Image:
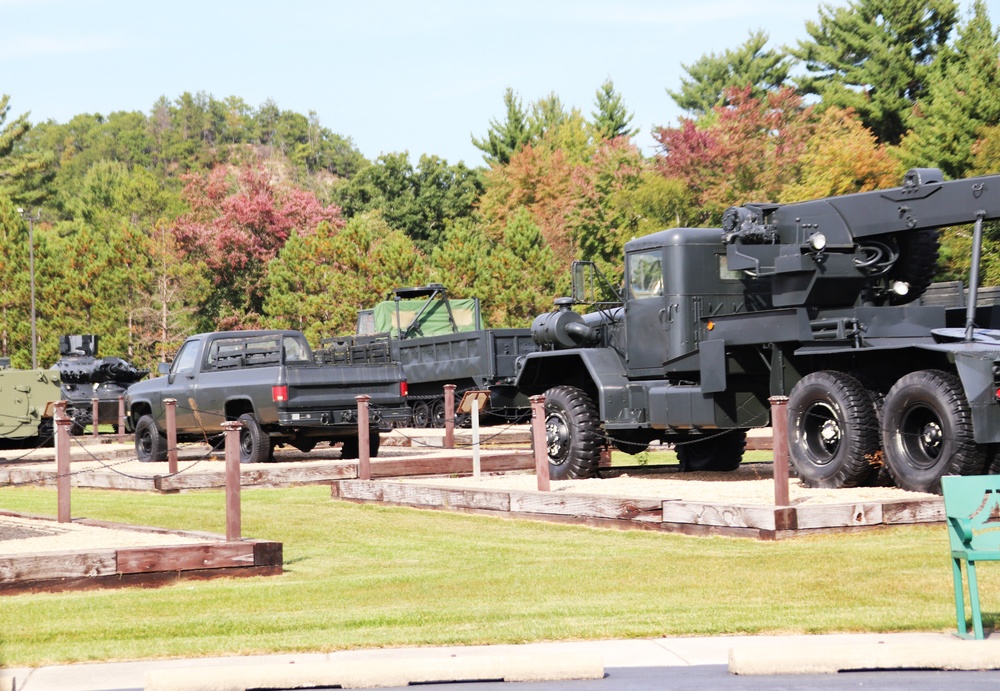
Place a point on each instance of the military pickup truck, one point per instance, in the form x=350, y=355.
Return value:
x=267, y=380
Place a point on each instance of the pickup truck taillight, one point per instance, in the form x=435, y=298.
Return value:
x=403, y=389
x=279, y=394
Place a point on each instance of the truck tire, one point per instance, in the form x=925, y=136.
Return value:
x=150, y=444
x=350, y=447
x=421, y=415
x=571, y=436
x=833, y=435
x=437, y=414
x=927, y=431
x=719, y=453
x=255, y=443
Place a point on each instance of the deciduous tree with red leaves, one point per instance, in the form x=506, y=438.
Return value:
x=239, y=221
x=745, y=151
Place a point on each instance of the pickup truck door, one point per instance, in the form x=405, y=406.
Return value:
x=181, y=384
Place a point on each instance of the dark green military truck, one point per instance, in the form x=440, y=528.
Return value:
x=269, y=381
x=439, y=340
x=816, y=301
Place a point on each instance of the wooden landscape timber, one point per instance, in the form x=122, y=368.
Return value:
x=669, y=515
x=210, y=473
x=196, y=556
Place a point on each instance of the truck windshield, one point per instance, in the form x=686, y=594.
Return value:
x=645, y=275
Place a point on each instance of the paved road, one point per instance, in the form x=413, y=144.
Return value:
x=663, y=663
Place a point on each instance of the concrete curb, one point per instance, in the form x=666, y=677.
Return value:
x=8, y=684
x=424, y=669
x=811, y=659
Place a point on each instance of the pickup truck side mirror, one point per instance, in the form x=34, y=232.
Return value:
x=163, y=368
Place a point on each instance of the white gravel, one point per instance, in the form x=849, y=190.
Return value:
x=750, y=484
x=20, y=535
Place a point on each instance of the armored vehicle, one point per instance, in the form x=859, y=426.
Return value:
x=27, y=399
x=816, y=301
x=85, y=376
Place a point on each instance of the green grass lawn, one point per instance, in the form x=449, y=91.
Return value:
x=370, y=576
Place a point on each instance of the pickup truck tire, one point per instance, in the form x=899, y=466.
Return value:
x=719, y=453
x=833, y=435
x=571, y=433
x=351, y=448
x=927, y=431
x=255, y=443
x=150, y=444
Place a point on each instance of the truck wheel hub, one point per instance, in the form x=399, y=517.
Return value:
x=556, y=438
x=829, y=432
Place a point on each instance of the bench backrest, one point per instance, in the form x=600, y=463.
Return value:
x=972, y=507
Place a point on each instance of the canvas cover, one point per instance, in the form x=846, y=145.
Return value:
x=433, y=321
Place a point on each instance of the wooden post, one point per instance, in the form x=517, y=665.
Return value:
x=170, y=412
x=95, y=408
x=779, y=444
x=63, y=423
x=475, y=437
x=449, y=416
x=539, y=442
x=364, y=448
x=233, y=518
x=121, y=419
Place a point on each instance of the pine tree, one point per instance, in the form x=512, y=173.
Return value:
x=963, y=98
x=875, y=57
x=505, y=138
x=611, y=119
x=748, y=65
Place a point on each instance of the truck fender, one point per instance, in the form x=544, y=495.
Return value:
x=976, y=373
x=597, y=371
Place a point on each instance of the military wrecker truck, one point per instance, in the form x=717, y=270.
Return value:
x=439, y=340
x=269, y=381
x=816, y=301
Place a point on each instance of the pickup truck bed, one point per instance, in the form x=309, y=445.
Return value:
x=270, y=381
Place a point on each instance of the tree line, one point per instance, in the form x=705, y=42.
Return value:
x=205, y=214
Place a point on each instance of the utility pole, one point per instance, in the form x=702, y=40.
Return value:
x=31, y=272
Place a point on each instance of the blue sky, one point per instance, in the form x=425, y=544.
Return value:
x=392, y=75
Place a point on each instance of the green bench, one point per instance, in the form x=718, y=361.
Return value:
x=972, y=507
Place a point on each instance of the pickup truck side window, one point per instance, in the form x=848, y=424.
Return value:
x=187, y=358
x=645, y=274
x=294, y=349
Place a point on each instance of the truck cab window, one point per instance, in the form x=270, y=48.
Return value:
x=293, y=349
x=186, y=358
x=645, y=275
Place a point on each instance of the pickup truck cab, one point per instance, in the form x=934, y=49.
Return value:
x=267, y=380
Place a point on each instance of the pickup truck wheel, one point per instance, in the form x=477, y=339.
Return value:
x=571, y=435
x=927, y=431
x=719, y=453
x=150, y=445
x=255, y=443
x=833, y=435
x=421, y=415
x=350, y=447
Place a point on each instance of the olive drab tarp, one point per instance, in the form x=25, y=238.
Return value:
x=432, y=322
